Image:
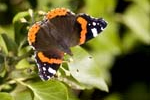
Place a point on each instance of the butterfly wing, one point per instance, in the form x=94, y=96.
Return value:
x=50, y=43
x=90, y=27
x=60, y=30
x=48, y=56
x=65, y=29
x=48, y=62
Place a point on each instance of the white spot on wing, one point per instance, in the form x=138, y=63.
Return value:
x=102, y=28
x=44, y=68
x=94, y=31
x=48, y=77
x=94, y=23
x=50, y=70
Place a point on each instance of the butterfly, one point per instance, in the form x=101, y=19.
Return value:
x=60, y=29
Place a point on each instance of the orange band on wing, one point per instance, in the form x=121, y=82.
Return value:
x=56, y=12
x=32, y=33
x=83, y=23
x=48, y=60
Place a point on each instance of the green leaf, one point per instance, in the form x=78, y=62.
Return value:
x=3, y=7
x=8, y=44
x=49, y=90
x=105, y=47
x=71, y=96
x=5, y=96
x=23, y=95
x=138, y=21
x=84, y=69
x=23, y=64
x=19, y=16
x=113, y=96
x=8, y=29
x=20, y=28
x=47, y=4
x=2, y=65
x=3, y=46
x=64, y=75
x=143, y=4
x=100, y=7
x=129, y=41
x=23, y=53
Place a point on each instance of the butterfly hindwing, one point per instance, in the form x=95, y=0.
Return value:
x=48, y=63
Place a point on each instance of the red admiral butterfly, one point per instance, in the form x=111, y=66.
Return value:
x=56, y=33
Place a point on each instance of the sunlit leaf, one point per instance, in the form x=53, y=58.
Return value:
x=138, y=22
x=23, y=64
x=48, y=5
x=100, y=7
x=20, y=15
x=49, y=90
x=23, y=95
x=65, y=76
x=143, y=4
x=85, y=70
x=5, y=96
x=7, y=30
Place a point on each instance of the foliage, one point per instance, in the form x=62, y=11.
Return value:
x=91, y=62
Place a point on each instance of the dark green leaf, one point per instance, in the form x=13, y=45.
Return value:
x=2, y=66
x=20, y=28
x=10, y=44
x=3, y=45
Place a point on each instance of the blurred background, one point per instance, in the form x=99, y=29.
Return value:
x=122, y=50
